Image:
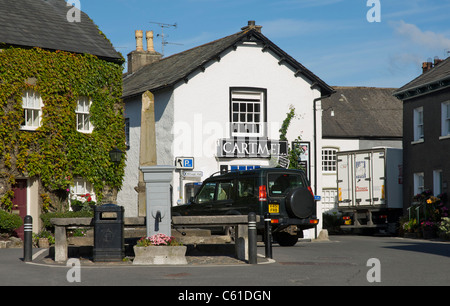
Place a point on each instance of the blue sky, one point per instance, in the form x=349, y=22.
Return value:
x=332, y=38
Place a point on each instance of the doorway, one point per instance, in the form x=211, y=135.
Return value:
x=20, y=202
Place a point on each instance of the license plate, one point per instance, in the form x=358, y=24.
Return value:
x=274, y=208
x=348, y=222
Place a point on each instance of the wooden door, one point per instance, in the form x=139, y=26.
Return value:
x=20, y=202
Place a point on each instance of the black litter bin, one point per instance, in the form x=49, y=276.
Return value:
x=108, y=233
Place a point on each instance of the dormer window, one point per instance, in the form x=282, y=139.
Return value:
x=84, y=124
x=32, y=108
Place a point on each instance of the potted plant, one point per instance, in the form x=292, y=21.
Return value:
x=428, y=229
x=76, y=205
x=409, y=228
x=44, y=239
x=159, y=249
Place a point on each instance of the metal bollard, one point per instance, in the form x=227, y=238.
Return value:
x=268, y=235
x=252, y=239
x=27, y=239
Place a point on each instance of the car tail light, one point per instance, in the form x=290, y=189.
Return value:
x=274, y=221
x=310, y=190
x=383, y=216
x=314, y=221
x=346, y=218
x=262, y=193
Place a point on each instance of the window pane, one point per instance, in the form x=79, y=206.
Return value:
x=281, y=184
x=224, y=191
x=206, y=194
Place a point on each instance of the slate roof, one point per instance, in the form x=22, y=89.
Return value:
x=44, y=24
x=168, y=71
x=435, y=79
x=363, y=113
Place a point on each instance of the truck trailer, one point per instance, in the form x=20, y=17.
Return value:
x=369, y=184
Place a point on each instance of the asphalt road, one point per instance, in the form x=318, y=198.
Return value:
x=342, y=261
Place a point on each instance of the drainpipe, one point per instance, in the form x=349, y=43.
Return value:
x=315, y=137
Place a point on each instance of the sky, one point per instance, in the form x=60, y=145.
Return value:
x=373, y=43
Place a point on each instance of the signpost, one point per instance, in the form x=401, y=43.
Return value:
x=184, y=163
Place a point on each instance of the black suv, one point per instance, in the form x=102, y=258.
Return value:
x=285, y=194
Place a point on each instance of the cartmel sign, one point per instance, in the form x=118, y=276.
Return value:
x=251, y=147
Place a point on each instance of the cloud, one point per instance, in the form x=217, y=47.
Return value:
x=413, y=34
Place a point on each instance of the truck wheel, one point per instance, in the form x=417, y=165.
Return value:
x=285, y=239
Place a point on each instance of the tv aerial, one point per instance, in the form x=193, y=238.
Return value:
x=163, y=36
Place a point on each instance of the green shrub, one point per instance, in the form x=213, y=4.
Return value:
x=444, y=228
x=70, y=214
x=9, y=222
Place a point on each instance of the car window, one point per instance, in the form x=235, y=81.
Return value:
x=246, y=188
x=224, y=190
x=282, y=183
x=206, y=194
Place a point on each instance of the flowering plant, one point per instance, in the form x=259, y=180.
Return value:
x=410, y=226
x=158, y=240
x=428, y=224
x=81, y=200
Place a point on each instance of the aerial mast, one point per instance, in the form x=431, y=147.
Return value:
x=163, y=36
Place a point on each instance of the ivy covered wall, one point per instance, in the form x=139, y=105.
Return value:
x=56, y=153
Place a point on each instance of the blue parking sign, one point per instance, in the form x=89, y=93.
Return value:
x=188, y=163
x=184, y=163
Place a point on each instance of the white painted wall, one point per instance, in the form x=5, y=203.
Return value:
x=127, y=196
x=193, y=116
x=202, y=106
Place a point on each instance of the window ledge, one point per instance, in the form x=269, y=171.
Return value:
x=444, y=137
x=417, y=141
x=29, y=128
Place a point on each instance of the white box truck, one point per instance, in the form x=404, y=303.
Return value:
x=369, y=184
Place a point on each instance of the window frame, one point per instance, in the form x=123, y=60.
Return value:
x=419, y=182
x=333, y=164
x=234, y=100
x=82, y=112
x=445, y=119
x=81, y=187
x=36, y=111
x=418, y=124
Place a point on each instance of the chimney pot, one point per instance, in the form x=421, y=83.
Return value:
x=139, y=40
x=149, y=37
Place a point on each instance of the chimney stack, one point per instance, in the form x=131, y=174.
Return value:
x=140, y=57
x=427, y=66
x=252, y=25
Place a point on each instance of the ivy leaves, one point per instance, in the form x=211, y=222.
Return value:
x=56, y=152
